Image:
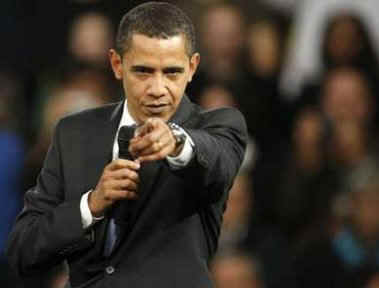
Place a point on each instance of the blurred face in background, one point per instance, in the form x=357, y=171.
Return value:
x=343, y=40
x=222, y=36
x=365, y=213
x=154, y=73
x=347, y=97
x=68, y=99
x=235, y=272
x=263, y=45
x=307, y=137
x=349, y=143
x=90, y=38
x=308, y=129
x=216, y=97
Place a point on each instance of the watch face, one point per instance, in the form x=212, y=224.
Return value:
x=178, y=133
x=181, y=138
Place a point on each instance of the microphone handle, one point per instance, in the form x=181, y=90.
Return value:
x=122, y=208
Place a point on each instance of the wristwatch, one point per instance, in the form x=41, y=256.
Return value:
x=178, y=133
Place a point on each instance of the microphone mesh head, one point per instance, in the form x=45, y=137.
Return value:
x=124, y=135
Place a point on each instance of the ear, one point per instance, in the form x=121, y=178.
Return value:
x=116, y=63
x=194, y=63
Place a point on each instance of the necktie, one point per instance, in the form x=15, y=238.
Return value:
x=112, y=233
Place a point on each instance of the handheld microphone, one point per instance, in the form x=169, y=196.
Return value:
x=122, y=209
x=125, y=134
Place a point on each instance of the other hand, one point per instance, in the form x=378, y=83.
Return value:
x=118, y=181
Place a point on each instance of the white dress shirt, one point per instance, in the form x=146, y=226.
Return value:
x=175, y=163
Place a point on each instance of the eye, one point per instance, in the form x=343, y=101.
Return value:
x=173, y=72
x=173, y=75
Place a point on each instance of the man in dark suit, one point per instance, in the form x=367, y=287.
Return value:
x=153, y=219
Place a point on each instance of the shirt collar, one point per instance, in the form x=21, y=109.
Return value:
x=126, y=118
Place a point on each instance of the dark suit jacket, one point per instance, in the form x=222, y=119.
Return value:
x=174, y=224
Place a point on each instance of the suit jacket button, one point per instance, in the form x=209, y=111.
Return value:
x=109, y=270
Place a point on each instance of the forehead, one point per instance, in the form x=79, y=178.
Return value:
x=151, y=49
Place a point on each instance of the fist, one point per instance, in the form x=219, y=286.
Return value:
x=153, y=141
x=118, y=181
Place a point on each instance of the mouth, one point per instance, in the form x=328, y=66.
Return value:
x=157, y=108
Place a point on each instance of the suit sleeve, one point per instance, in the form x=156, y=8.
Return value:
x=220, y=143
x=48, y=229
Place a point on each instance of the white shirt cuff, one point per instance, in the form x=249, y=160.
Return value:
x=184, y=156
x=87, y=218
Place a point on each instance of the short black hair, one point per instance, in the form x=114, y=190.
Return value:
x=155, y=20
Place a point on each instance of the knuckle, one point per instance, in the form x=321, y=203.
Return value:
x=119, y=162
x=107, y=195
x=108, y=185
x=161, y=154
x=127, y=183
x=126, y=173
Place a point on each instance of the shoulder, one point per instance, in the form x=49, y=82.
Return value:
x=98, y=114
x=229, y=113
x=225, y=116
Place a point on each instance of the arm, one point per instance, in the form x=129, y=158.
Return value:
x=219, y=146
x=48, y=229
x=219, y=138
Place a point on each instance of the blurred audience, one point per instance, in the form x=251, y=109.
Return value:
x=305, y=183
x=216, y=96
x=82, y=90
x=257, y=93
x=12, y=151
x=235, y=269
x=305, y=205
x=347, y=96
x=349, y=256
x=221, y=39
x=339, y=50
x=304, y=61
x=90, y=38
x=222, y=36
x=349, y=107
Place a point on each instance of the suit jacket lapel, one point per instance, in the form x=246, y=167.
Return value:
x=99, y=144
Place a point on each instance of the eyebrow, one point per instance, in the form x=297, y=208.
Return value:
x=141, y=68
x=146, y=69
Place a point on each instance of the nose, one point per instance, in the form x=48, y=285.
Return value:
x=157, y=87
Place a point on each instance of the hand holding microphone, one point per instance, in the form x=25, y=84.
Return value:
x=151, y=141
x=119, y=180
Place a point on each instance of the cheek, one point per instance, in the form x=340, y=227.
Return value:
x=178, y=89
x=133, y=89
